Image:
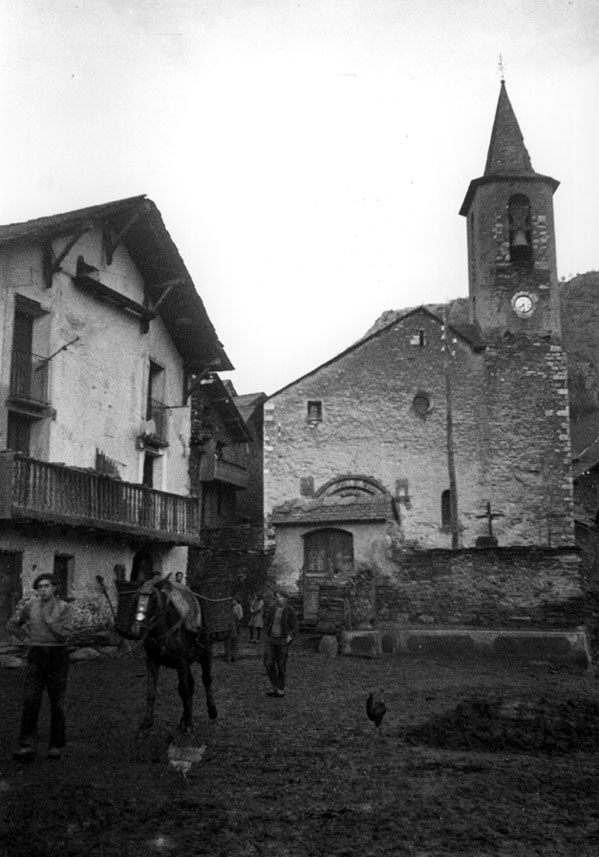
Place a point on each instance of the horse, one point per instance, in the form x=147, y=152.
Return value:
x=168, y=619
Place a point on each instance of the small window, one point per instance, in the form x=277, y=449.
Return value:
x=314, y=412
x=418, y=339
x=63, y=572
x=446, y=509
x=421, y=404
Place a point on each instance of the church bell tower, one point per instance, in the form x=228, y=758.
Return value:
x=512, y=268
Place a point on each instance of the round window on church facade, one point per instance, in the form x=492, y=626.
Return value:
x=421, y=404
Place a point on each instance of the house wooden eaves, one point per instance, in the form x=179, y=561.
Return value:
x=136, y=224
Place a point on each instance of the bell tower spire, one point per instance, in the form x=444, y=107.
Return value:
x=507, y=153
x=512, y=268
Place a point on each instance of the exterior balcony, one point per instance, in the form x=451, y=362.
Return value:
x=32, y=490
x=29, y=381
x=215, y=469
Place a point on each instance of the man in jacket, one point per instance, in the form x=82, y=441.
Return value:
x=280, y=627
x=46, y=623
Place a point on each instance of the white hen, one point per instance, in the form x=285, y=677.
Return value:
x=182, y=758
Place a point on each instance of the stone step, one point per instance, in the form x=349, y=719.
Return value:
x=570, y=645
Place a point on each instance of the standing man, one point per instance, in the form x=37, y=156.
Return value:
x=280, y=627
x=46, y=622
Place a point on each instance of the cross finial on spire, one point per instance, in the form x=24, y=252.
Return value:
x=502, y=66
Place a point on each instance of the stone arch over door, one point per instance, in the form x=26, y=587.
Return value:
x=360, y=488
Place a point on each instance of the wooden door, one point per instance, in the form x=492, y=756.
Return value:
x=327, y=552
x=11, y=589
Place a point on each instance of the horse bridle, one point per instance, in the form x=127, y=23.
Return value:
x=141, y=619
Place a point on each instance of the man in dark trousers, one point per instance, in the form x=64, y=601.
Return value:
x=280, y=627
x=46, y=621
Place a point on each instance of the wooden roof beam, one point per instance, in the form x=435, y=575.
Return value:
x=110, y=243
x=168, y=287
x=51, y=262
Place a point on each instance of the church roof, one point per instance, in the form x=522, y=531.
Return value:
x=507, y=153
x=468, y=333
x=507, y=157
x=321, y=511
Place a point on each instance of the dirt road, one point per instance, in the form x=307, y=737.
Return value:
x=309, y=775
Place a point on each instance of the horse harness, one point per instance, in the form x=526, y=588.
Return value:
x=147, y=624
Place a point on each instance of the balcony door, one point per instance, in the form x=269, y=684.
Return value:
x=22, y=347
x=18, y=433
x=28, y=371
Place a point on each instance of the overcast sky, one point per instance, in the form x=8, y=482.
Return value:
x=310, y=157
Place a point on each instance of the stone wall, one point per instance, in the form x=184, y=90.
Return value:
x=510, y=588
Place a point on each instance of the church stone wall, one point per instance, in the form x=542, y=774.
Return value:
x=510, y=438
x=369, y=427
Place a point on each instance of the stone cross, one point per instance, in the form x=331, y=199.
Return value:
x=490, y=516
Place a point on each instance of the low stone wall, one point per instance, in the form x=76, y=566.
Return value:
x=484, y=588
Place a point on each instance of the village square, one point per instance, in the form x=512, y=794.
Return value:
x=416, y=518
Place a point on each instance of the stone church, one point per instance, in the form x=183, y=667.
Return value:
x=424, y=474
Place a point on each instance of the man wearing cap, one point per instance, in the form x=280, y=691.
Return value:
x=46, y=622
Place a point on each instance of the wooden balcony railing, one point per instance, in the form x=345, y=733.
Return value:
x=32, y=489
x=214, y=469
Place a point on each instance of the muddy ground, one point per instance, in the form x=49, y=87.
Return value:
x=473, y=759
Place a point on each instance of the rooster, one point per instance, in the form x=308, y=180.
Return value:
x=376, y=708
x=182, y=758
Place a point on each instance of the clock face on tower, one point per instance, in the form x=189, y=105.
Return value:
x=523, y=304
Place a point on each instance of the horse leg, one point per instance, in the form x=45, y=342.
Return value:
x=152, y=668
x=186, y=687
x=205, y=661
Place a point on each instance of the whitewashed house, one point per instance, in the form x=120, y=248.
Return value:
x=103, y=336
